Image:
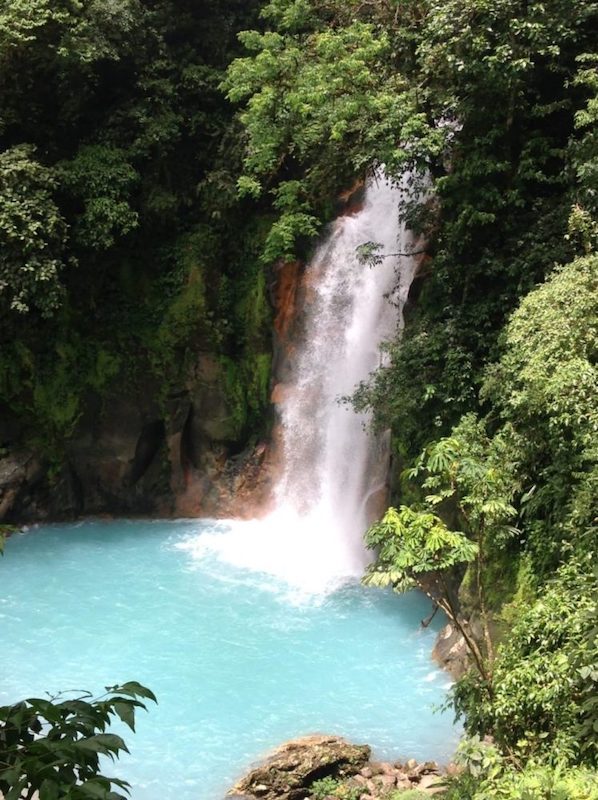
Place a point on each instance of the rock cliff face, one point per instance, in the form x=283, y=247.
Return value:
x=134, y=453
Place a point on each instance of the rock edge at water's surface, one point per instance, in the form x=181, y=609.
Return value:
x=291, y=770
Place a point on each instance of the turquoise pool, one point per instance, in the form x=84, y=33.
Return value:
x=239, y=663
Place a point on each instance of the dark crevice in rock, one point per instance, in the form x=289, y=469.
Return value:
x=150, y=439
x=236, y=450
x=76, y=491
x=188, y=453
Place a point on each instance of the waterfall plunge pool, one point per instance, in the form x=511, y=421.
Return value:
x=239, y=661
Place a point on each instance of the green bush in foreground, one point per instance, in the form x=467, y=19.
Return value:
x=53, y=746
x=489, y=775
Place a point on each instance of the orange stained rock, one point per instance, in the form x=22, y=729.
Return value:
x=351, y=200
x=285, y=296
x=281, y=393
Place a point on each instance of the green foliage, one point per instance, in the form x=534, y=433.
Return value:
x=538, y=467
x=253, y=309
x=543, y=389
x=100, y=178
x=550, y=344
x=246, y=386
x=87, y=33
x=47, y=389
x=467, y=483
x=472, y=471
x=583, y=221
x=545, y=676
x=429, y=381
x=257, y=380
x=285, y=234
x=53, y=746
x=321, y=73
x=183, y=316
x=32, y=234
x=489, y=775
x=333, y=787
x=542, y=783
x=133, y=153
x=410, y=543
x=541, y=459
x=323, y=103
x=22, y=21
x=519, y=143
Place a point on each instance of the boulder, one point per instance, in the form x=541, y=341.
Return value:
x=431, y=784
x=291, y=770
x=17, y=469
x=385, y=781
x=450, y=651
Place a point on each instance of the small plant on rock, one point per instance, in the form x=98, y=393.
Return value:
x=333, y=787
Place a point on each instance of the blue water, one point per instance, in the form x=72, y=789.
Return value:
x=238, y=664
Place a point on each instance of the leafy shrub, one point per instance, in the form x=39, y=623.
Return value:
x=33, y=234
x=545, y=678
x=53, y=746
x=489, y=775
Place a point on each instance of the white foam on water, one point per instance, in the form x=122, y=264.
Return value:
x=306, y=553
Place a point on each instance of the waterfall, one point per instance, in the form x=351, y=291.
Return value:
x=332, y=465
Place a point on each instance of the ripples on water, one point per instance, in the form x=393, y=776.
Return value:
x=239, y=660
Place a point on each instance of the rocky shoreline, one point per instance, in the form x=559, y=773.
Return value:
x=329, y=768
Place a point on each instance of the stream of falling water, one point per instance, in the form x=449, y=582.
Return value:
x=332, y=465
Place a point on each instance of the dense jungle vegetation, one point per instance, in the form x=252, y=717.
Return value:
x=154, y=166
x=124, y=248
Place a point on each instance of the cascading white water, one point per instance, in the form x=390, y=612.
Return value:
x=332, y=463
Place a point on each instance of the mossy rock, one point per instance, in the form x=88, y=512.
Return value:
x=292, y=769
